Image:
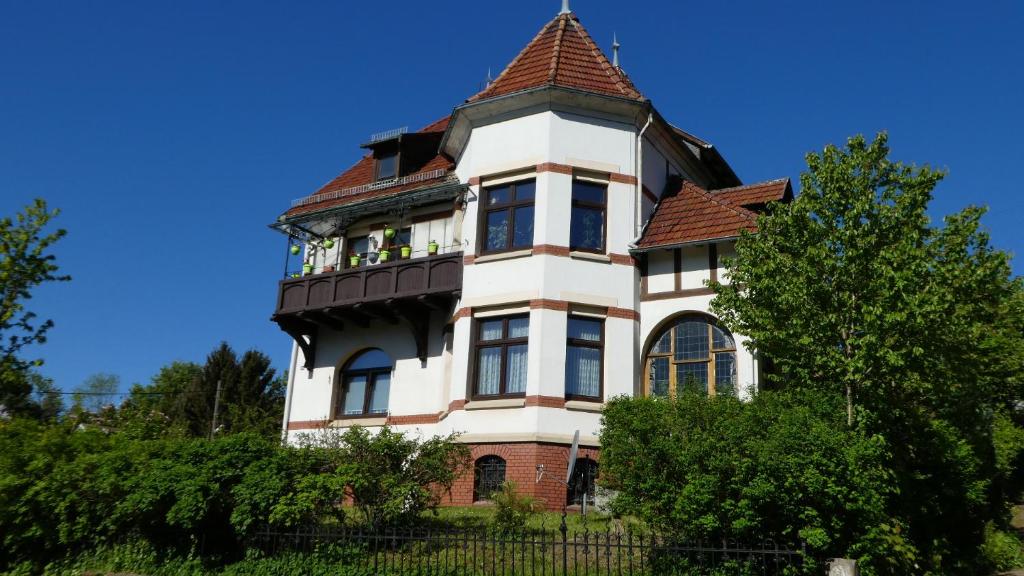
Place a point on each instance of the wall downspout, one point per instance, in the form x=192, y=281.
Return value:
x=288, y=393
x=638, y=216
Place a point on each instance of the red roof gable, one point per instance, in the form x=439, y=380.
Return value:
x=693, y=214
x=362, y=174
x=753, y=196
x=562, y=54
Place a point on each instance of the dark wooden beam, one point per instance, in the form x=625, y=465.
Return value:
x=299, y=330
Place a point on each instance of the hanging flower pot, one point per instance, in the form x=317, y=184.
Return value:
x=307, y=269
x=389, y=232
x=406, y=251
x=353, y=260
x=329, y=243
x=432, y=247
x=296, y=275
x=384, y=255
x=295, y=249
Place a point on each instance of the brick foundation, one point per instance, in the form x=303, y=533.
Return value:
x=521, y=460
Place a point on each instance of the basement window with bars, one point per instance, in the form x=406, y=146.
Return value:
x=488, y=476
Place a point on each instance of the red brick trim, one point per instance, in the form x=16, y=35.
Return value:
x=464, y=312
x=474, y=181
x=626, y=313
x=546, y=401
x=624, y=259
x=456, y=405
x=551, y=249
x=307, y=424
x=622, y=178
x=548, y=304
x=415, y=419
x=554, y=167
x=468, y=260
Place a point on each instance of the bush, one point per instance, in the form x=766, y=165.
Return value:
x=1001, y=550
x=783, y=467
x=511, y=510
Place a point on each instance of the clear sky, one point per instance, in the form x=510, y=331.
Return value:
x=171, y=134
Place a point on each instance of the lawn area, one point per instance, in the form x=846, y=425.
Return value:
x=481, y=516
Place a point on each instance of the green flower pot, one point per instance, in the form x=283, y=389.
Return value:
x=406, y=251
x=389, y=232
x=354, y=261
x=432, y=247
x=307, y=268
x=295, y=249
x=385, y=255
x=328, y=243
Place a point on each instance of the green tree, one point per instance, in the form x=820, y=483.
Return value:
x=97, y=392
x=24, y=265
x=851, y=289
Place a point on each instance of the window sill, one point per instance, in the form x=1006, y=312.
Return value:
x=592, y=256
x=503, y=256
x=494, y=404
x=368, y=421
x=584, y=405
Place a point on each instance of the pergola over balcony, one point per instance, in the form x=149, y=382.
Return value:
x=403, y=290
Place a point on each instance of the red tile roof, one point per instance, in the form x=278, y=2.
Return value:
x=362, y=173
x=753, y=196
x=693, y=214
x=562, y=54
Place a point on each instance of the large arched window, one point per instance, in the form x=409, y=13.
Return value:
x=691, y=353
x=583, y=483
x=488, y=476
x=365, y=385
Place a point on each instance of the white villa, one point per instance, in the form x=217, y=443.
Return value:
x=507, y=269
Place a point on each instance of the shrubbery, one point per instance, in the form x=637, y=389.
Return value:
x=782, y=467
x=65, y=489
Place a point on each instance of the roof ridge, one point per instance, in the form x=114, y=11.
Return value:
x=511, y=64
x=613, y=74
x=753, y=185
x=737, y=209
x=557, y=49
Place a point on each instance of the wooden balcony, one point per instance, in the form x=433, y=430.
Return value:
x=403, y=290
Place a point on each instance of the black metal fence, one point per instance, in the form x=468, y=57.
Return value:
x=452, y=552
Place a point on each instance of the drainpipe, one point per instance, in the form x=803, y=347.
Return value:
x=288, y=393
x=637, y=216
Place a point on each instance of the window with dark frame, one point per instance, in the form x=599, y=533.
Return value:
x=584, y=358
x=693, y=354
x=386, y=165
x=365, y=386
x=587, y=222
x=488, y=476
x=506, y=222
x=360, y=246
x=501, y=357
x=583, y=483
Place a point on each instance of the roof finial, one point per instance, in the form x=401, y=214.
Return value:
x=489, y=79
x=615, y=50
x=565, y=7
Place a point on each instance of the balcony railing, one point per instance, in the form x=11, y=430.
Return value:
x=401, y=279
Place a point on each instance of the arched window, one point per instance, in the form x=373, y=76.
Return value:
x=365, y=385
x=691, y=353
x=488, y=476
x=583, y=482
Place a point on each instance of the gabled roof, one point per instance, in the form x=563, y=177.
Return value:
x=692, y=214
x=561, y=54
x=348, y=187
x=755, y=196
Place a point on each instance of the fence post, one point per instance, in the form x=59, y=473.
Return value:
x=565, y=544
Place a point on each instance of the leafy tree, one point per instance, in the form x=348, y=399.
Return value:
x=24, y=264
x=850, y=289
x=97, y=392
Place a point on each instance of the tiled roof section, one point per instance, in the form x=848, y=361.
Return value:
x=693, y=214
x=562, y=54
x=362, y=173
x=755, y=196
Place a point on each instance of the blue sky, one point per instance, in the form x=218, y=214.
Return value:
x=171, y=134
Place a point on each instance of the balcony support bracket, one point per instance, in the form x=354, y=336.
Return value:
x=300, y=331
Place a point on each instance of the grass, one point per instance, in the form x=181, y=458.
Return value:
x=543, y=521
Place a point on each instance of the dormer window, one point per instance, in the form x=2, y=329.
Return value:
x=387, y=165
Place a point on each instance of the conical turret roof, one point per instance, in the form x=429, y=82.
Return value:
x=562, y=54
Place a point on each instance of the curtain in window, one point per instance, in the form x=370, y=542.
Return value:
x=490, y=330
x=489, y=378
x=380, y=393
x=355, y=393
x=583, y=371
x=497, y=230
x=518, y=328
x=516, y=369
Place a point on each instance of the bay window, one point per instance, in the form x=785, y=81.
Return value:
x=584, y=353
x=507, y=219
x=501, y=355
x=587, y=225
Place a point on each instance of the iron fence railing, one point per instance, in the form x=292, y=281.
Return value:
x=450, y=552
